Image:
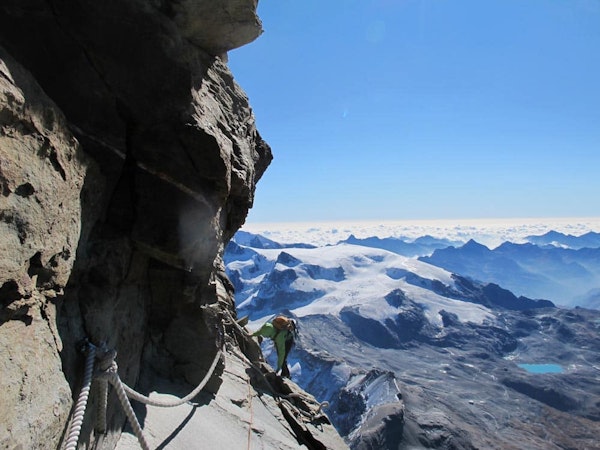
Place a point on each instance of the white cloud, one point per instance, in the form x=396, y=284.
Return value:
x=490, y=232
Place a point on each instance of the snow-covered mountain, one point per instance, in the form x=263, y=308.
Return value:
x=420, y=246
x=402, y=349
x=560, y=267
x=590, y=239
x=566, y=275
x=258, y=241
x=348, y=280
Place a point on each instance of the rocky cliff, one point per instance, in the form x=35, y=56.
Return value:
x=129, y=158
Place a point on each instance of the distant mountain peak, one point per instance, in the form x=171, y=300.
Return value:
x=553, y=238
x=259, y=241
x=474, y=245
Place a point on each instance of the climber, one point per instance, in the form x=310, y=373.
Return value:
x=282, y=330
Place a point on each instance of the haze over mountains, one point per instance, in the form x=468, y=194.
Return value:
x=413, y=355
x=562, y=268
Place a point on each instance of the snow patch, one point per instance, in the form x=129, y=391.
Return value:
x=345, y=275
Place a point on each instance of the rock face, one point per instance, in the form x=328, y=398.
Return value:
x=129, y=158
x=42, y=172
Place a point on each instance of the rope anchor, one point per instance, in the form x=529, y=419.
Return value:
x=107, y=372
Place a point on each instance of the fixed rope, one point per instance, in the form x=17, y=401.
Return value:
x=107, y=372
x=135, y=425
x=80, y=406
x=180, y=401
x=251, y=421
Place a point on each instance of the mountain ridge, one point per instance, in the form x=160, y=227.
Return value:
x=555, y=272
x=452, y=365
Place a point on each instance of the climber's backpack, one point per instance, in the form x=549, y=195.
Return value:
x=282, y=323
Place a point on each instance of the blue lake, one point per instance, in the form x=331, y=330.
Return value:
x=541, y=368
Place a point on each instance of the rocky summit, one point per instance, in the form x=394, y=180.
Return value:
x=129, y=157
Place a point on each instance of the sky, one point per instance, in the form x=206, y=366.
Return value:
x=425, y=109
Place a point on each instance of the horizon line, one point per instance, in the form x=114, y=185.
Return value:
x=471, y=219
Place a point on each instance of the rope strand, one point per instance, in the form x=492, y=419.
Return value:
x=108, y=373
x=75, y=428
x=131, y=417
x=102, y=390
x=180, y=401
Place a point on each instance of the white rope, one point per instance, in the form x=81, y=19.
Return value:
x=251, y=421
x=135, y=425
x=79, y=412
x=180, y=401
x=108, y=373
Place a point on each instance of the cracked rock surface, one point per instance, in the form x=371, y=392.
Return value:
x=129, y=157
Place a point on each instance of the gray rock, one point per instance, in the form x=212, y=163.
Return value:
x=383, y=428
x=242, y=414
x=129, y=159
x=215, y=27
x=42, y=170
x=465, y=390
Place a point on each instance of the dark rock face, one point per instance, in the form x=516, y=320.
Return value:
x=368, y=330
x=350, y=406
x=492, y=295
x=232, y=23
x=547, y=395
x=382, y=429
x=129, y=158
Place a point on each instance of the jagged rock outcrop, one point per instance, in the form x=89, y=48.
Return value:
x=129, y=158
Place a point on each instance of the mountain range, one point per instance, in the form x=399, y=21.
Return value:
x=567, y=276
x=412, y=355
x=590, y=239
x=559, y=267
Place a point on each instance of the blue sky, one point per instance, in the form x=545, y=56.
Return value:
x=426, y=109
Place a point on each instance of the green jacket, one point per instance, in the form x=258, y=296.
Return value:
x=278, y=336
